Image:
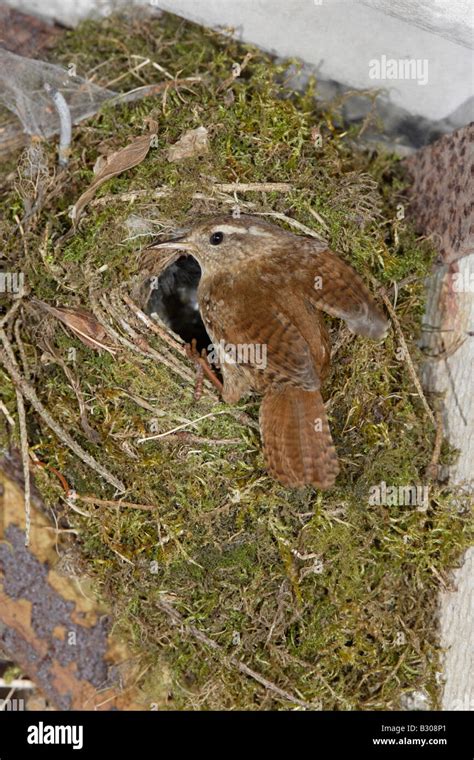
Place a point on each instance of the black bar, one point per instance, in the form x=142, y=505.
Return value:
x=304, y=734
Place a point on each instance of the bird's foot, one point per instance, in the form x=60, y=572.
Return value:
x=203, y=369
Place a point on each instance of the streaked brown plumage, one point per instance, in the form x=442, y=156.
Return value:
x=262, y=285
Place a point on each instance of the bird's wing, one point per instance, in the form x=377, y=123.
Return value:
x=243, y=311
x=330, y=284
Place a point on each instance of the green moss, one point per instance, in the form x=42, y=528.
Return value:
x=327, y=596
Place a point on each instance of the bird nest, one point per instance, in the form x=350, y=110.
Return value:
x=233, y=591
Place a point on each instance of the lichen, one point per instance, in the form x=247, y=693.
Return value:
x=325, y=595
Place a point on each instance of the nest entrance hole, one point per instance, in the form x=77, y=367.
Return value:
x=173, y=297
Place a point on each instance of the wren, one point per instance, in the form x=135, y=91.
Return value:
x=261, y=294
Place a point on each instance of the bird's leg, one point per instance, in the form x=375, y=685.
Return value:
x=203, y=369
x=199, y=382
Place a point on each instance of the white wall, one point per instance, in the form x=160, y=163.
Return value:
x=340, y=38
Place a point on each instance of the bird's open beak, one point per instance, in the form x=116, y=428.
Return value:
x=173, y=244
x=160, y=254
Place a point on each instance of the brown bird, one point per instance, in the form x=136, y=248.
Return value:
x=261, y=294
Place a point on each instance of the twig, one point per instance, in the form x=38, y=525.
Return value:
x=253, y=187
x=70, y=503
x=100, y=316
x=168, y=360
x=198, y=439
x=244, y=419
x=10, y=313
x=152, y=326
x=145, y=325
x=401, y=284
x=7, y=414
x=209, y=389
x=25, y=460
x=145, y=404
x=134, y=70
x=162, y=333
x=21, y=349
x=155, y=65
x=411, y=366
x=240, y=416
x=180, y=427
x=22, y=231
x=142, y=350
x=293, y=223
x=318, y=217
x=229, y=661
x=144, y=321
x=111, y=502
x=221, y=187
x=151, y=89
x=29, y=393
x=91, y=434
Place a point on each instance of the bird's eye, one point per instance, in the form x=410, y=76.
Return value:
x=216, y=238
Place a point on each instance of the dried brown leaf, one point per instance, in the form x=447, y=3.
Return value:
x=125, y=158
x=82, y=323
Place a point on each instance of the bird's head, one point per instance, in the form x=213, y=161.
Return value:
x=218, y=241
